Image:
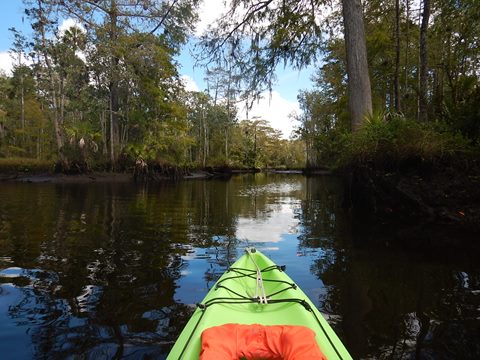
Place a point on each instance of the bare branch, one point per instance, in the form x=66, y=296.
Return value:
x=97, y=5
x=164, y=17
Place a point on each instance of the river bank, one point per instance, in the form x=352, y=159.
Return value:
x=92, y=177
x=424, y=194
x=62, y=178
x=36, y=171
x=428, y=204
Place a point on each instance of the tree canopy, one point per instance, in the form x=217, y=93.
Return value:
x=108, y=90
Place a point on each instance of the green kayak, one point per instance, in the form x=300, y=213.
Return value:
x=254, y=290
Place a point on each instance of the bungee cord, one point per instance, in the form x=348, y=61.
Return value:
x=260, y=296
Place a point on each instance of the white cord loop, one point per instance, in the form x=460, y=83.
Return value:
x=259, y=287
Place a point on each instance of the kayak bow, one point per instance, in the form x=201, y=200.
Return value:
x=254, y=290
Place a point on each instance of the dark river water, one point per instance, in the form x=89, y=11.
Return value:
x=108, y=271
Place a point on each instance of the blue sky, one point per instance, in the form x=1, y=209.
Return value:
x=274, y=107
x=11, y=13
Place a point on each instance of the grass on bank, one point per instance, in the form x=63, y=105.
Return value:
x=385, y=142
x=25, y=165
x=398, y=139
x=388, y=141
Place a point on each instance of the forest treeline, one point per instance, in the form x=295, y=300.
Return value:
x=107, y=91
x=424, y=66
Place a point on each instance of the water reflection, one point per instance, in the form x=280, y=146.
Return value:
x=392, y=305
x=112, y=270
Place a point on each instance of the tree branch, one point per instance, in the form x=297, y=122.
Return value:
x=164, y=17
x=250, y=13
x=95, y=4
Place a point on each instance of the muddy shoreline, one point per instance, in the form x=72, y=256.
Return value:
x=115, y=177
x=93, y=177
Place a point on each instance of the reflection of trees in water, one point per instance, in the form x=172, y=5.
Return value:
x=325, y=233
x=212, y=216
x=219, y=258
x=219, y=207
x=322, y=218
x=258, y=196
x=110, y=256
x=406, y=303
x=58, y=331
x=111, y=267
x=391, y=306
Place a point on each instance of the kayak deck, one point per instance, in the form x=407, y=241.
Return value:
x=239, y=297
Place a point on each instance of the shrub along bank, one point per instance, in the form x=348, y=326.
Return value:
x=400, y=170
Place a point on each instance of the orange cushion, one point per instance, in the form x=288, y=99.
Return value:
x=252, y=342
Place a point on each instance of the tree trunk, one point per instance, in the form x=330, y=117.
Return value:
x=438, y=91
x=226, y=143
x=359, y=90
x=204, y=150
x=407, y=45
x=2, y=128
x=38, y=144
x=103, y=122
x=112, y=133
x=57, y=120
x=114, y=104
x=422, y=94
x=396, y=87
x=228, y=112
x=61, y=97
x=22, y=103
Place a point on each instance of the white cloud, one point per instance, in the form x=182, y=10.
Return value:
x=275, y=109
x=67, y=24
x=209, y=11
x=81, y=55
x=189, y=83
x=6, y=62
x=281, y=222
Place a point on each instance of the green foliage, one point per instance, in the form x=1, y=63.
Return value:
x=257, y=37
x=464, y=114
x=388, y=140
x=257, y=145
x=323, y=122
x=453, y=89
x=331, y=148
x=115, y=85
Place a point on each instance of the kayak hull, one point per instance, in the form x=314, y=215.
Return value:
x=238, y=298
